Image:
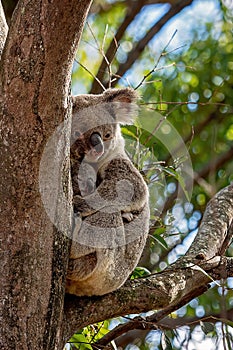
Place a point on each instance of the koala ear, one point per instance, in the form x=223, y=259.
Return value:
x=84, y=101
x=123, y=103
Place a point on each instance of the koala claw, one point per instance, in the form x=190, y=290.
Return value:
x=127, y=216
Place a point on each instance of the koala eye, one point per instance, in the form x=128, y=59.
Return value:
x=108, y=135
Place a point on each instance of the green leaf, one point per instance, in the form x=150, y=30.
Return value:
x=160, y=240
x=140, y=272
x=180, y=180
x=129, y=132
x=80, y=342
x=160, y=230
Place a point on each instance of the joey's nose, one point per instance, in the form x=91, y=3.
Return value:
x=96, y=142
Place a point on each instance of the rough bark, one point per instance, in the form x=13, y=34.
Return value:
x=34, y=99
x=186, y=279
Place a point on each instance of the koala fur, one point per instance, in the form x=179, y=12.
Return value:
x=110, y=196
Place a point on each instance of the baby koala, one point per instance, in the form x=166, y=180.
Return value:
x=110, y=196
x=83, y=177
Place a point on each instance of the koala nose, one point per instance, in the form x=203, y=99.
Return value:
x=96, y=142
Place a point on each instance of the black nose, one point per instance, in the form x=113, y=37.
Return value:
x=96, y=142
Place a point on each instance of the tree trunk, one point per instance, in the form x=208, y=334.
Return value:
x=35, y=77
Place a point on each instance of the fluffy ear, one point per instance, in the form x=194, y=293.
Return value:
x=114, y=105
x=123, y=102
x=83, y=101
x=127, y=95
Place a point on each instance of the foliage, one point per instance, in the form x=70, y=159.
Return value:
x=83, y=339
x=191, y=88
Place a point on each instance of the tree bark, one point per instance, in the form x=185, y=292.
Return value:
x=34, y=100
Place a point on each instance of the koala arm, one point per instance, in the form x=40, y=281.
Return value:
x=82, y=205
x=121, y=188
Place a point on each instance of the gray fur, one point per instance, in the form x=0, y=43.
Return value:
x=112, y=228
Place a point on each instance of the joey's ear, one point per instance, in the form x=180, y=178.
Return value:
x=123, y=103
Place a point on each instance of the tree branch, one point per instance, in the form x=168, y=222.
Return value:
x=107, y=7
x=215, y=226
x=218, y=163
x=155, y=321
x=170, y=323
x=173, y=287
x=134, y=8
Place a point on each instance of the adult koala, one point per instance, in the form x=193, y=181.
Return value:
x=110, y=196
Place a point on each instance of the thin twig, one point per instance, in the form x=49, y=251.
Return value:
x=169, y=42
x=120, y=77
x=177, y=48
x=93, y=76
x=93, y=35
x=135, y=7
x=101, y=51
x=163, y=53
x=185, y=103
x=104, y=38
x=105, y=57
x=159, y=123
x=138, y=48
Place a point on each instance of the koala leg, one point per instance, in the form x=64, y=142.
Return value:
x=78, y=250
x=82, y=267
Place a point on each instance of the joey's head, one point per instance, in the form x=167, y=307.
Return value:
x=96, y=123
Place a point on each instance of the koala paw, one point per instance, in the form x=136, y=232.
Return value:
x=127, y=216
x=79, y=204
x=77, y=220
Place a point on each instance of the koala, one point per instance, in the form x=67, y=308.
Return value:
x=110, y=197
x=83, y=177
